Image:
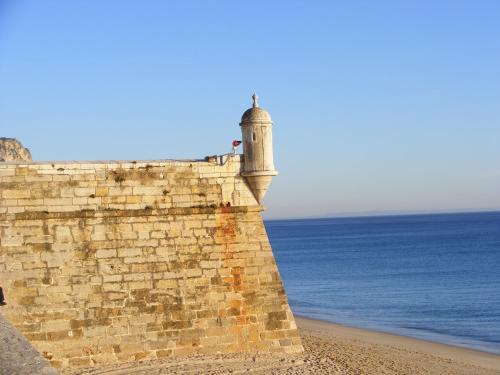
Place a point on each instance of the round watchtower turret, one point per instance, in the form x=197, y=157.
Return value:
x=256, y=127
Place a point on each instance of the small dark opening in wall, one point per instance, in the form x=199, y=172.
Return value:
x=254, y=137
x=2, y=298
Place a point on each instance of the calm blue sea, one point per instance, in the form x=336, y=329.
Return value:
x=435, y=277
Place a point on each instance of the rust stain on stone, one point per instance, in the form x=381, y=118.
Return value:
x=227, y=234
x=236, y=279
x=226, y=226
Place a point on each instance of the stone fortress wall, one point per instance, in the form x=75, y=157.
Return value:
x=119, y=261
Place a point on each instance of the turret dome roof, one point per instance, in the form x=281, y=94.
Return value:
x=256, y=114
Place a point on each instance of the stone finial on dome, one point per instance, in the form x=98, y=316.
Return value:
x=255, y=100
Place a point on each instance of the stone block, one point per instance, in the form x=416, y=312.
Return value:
x=129, y=252
x=107, y=253
x=166, y=284
x=15, y=194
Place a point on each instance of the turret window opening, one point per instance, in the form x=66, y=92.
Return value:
x=254, y=137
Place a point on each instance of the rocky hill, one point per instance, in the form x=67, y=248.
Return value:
x=12, y=150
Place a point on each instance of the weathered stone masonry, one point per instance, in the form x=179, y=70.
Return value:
x=118, y=261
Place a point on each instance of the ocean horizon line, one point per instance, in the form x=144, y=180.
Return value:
x=375, y=214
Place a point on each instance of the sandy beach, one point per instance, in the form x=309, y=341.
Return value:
x=329, y=349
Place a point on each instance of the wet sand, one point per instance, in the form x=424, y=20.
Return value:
x=329, y=349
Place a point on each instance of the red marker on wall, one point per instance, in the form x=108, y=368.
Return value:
x=235, y=145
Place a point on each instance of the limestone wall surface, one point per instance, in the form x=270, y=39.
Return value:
x=119, y=261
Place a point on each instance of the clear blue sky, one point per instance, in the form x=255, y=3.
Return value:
x=379, y=106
